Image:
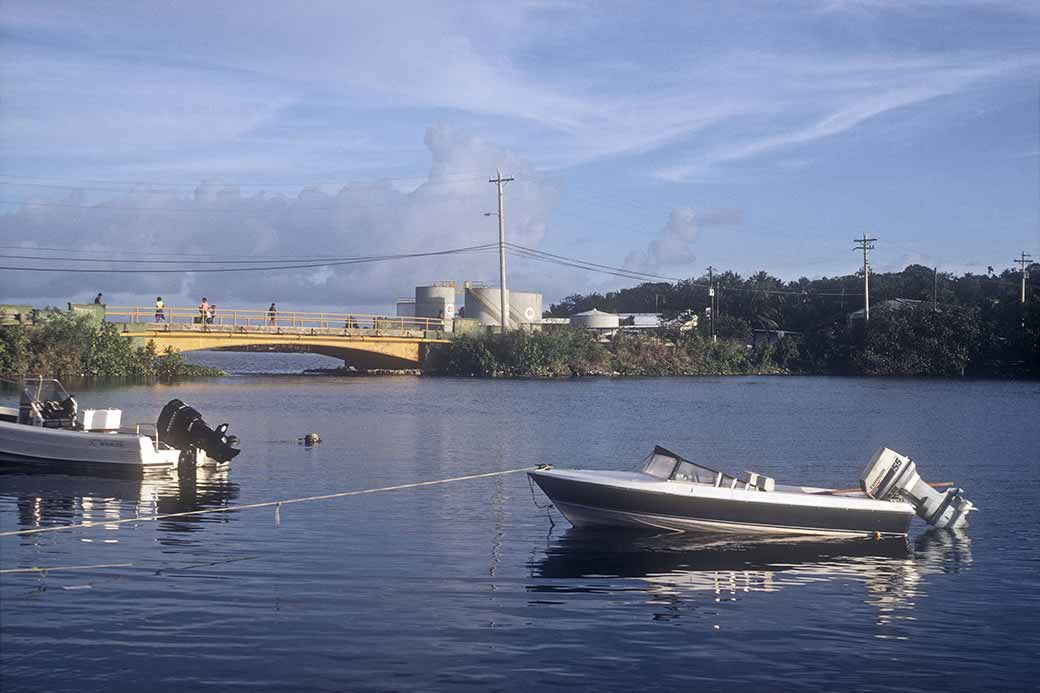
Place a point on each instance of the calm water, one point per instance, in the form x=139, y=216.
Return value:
x=473, y=585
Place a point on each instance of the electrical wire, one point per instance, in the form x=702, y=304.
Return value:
x=257, y=261
x=74, y=182
x=542, y=256
x=352, y=261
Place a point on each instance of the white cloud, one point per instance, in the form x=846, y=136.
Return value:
x=673, y=245
x=446, y=211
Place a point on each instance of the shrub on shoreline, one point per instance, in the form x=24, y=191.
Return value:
x=575, y=353
x=67, y=346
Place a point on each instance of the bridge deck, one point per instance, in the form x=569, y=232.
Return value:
x=367, y=341
x=131, y=328
x=262, y=319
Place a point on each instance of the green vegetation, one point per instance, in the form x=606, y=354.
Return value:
x=67, y=345
x=977, y=326
x=569, y=352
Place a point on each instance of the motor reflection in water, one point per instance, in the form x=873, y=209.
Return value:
x=677, y=569
x=45, y=500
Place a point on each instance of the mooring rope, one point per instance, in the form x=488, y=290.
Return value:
x=266, y=504
x=45, y=570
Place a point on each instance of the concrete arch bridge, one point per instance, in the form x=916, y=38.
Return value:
x=362, y=341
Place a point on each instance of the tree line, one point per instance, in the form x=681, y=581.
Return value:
x=946, y=325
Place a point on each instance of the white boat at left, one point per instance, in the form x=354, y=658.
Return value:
x=49, y=428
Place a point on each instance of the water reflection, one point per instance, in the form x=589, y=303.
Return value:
x=45, y=500
x=677, y=568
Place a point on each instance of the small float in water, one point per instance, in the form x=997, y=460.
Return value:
x=672, y=493
x=48, y=428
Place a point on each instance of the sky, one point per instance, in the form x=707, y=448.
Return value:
x=658, y=137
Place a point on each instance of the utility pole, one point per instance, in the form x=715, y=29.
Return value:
x=866, y=245
x=711, y=302
x=499, y=180
x=1024, y=261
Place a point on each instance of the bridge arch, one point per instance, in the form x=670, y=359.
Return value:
x=365, y=349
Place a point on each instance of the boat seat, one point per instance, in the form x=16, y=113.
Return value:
x=759, y=481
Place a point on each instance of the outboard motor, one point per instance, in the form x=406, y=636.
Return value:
x=893, y=476
x=182, y=427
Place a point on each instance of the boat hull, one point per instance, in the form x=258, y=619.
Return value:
x=693, y=508
x=65, y=450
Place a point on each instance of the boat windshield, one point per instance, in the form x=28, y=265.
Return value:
x=45, y=402
x=660, y=466
x=664, y=464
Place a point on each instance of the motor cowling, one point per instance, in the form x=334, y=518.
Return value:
x=893, y=476
x=181, y=426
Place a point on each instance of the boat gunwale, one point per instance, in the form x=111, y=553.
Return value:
x=737, y=495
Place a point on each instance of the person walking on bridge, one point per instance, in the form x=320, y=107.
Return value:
x=203, y=310
x=160, y=313
x=272, y=314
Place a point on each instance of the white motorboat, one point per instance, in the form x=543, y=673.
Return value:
x=672, y=493
x=48, y=428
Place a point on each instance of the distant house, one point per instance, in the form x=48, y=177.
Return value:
x=770, y=336
x=639, y=321
x=893, y=304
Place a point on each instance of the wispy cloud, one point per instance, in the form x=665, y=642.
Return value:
x=575, y=85
x=322, y=94
x=851, y=94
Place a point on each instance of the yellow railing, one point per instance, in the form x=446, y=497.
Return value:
x=264, y=320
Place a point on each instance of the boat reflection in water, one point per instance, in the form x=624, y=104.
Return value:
x=679, y=568
x=46, y=500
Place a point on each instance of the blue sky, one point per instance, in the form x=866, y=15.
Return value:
x=659, y=136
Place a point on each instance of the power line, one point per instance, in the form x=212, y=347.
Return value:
x=292, y=205
x=591, y=264
x=646, y=277
x=468, y=175
x=154, y=253
x=256, y=261
x=352, y=261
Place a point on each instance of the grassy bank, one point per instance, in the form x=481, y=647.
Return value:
x=66, y=345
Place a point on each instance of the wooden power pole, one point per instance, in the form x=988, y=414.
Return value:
x=1024, y=261
x=866, y=245
x=504, y=303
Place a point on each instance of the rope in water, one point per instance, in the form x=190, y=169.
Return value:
x=65, y=567
x=266, y=504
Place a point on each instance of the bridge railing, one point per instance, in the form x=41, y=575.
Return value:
x=263, y=320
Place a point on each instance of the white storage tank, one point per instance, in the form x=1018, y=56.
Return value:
x=406, y=308
x=484, y=304
x=595, y=320
x=435, y=301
